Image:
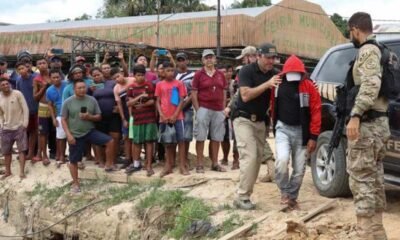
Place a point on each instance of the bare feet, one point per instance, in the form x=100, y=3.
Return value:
x=165, y=172
x=5, y=176
x=184, y=171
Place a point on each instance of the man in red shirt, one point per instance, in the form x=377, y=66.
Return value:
x=209, y=97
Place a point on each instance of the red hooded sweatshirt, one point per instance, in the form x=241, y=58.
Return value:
x=310, y=101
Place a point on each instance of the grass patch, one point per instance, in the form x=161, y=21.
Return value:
x=190, y=211
x=183, y=210
x=117, y=195
x=49, y=195
x=231, y=223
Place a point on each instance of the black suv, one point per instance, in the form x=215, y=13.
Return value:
x=330, y=177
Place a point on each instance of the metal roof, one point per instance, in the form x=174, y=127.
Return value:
x=252, y=12
x=387, y=28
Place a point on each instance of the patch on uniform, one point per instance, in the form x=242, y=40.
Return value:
x=363, y=55
x=372, y=63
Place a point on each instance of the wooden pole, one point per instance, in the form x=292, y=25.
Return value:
x=219, y=28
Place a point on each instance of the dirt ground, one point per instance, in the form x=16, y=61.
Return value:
x=218, y=189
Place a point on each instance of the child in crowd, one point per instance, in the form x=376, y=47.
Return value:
x=170, y=94
x=120, y=92
x=141, y=102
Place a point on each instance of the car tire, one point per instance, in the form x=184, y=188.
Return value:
x=330, y=178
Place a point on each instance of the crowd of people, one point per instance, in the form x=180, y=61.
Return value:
x=157, y=110
x=160, y=108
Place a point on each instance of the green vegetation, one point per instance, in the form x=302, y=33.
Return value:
x=341, y=24
x=250, y=3
x=231, y=223
x=49, y=195
x=181, y=210
x=101, y=187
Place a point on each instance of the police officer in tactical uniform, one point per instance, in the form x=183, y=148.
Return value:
x=367, y=132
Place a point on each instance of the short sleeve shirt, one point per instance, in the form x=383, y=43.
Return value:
x=105, y=97
x=69, y=89
x=54, y=95
x=210, y=89
x=25, y=86
x=142, y=115
x=71, y=109
x=251, y=76
x=164, y=92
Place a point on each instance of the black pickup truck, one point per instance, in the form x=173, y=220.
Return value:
x=330, y=177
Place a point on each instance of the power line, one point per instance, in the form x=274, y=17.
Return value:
x=328, y=15
x=148, y=27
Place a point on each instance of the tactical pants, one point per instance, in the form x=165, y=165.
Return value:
x=365, y=168
x=250, y=137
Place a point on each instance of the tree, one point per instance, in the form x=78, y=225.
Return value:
x=123, y=8
x=341, y=24
x=250, y=3
x=84, y=16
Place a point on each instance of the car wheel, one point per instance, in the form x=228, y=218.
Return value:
x=330, y=177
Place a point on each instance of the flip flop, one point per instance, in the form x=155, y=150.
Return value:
x=218, y=168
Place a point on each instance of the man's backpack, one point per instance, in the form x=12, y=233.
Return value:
x=390, y=62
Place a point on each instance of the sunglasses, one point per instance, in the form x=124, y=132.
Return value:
x=2, y=63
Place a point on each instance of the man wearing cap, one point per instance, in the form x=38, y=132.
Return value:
x=296, y=115
x=55, y=62
x=186, y=76
x=77, y=72
x=209, y=97
x=256, y=80
x=248, y=55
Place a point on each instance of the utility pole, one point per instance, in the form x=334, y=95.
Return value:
x=219, y=29
x=158, y=23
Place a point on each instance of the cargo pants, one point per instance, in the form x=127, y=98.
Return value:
x=250, y=137
x=365, y=167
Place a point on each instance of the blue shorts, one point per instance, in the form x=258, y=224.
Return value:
x=179, y=130
x=77, y=150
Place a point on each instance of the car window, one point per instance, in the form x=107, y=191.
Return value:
x=395, y=48
x=337, y=64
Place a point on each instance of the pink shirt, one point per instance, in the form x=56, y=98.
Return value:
x=164, y=92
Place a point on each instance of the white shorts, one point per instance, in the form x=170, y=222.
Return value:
x=60, y=134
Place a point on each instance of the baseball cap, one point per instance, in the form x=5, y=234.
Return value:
x=24, y=54
x=74, y=69
x=247, y=51
x=267, y=49
x=181, y=55
x=80, y=58
x=54, y=58
x=207, y=52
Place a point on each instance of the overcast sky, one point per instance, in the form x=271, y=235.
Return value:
x=39, y=11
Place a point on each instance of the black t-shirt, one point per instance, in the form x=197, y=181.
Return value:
x=289, y=103
x=251, y=76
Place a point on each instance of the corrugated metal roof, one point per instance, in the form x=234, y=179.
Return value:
x=387, y=28
x=130, y=20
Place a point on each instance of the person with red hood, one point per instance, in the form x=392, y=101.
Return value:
x=296, y=115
